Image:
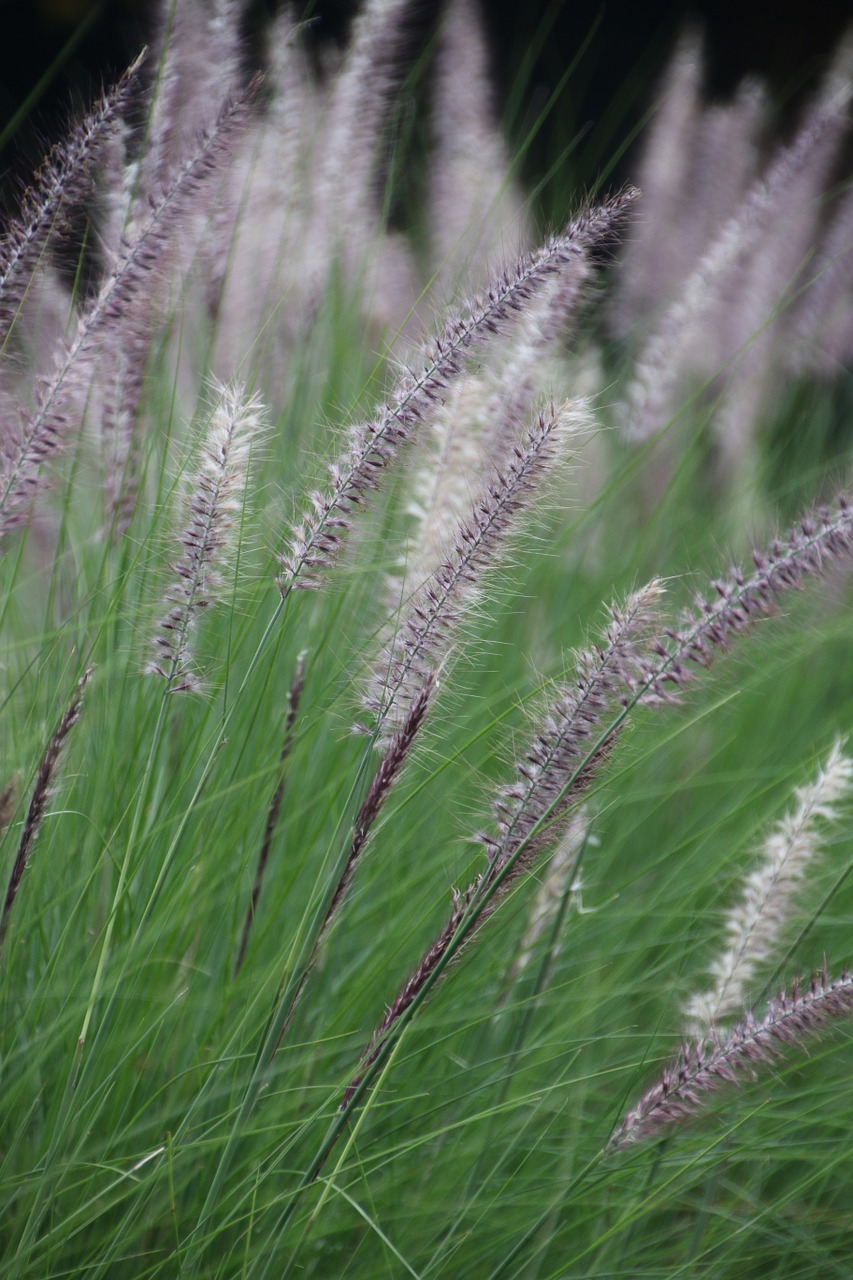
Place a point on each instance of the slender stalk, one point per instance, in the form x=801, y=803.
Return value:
x=285, y=1007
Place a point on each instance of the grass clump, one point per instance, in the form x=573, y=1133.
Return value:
x=249, y=1025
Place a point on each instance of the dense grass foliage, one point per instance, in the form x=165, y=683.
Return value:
x=345, y=925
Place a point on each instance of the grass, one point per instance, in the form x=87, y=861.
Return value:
x=168, y=1112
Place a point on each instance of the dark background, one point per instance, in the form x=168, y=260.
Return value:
x=56, y=52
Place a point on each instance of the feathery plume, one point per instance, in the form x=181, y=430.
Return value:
x=63, y=180
x=481, y=418
x=345, y=200
x=423, y=636
x=754, y=925
x=682, y=329
x=264, y=237
x=477, y=209
x=696, y=169
x=197, y=52
x=42, y=791
x=116, y=390
x=121, y=380
x=114, y=199
x=550, y=775
x=293, y=698
x=726, y=161
x=110, y=317
x=702, y=1068
x=455, y=458
x=318, y=540
x=806, y=549
x=653, y=263
x=821, y=325
x=753, y=341
x=235, y=425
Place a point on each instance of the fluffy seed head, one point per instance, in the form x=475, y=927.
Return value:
x=740, y=599
x=704, y=1067
x=425, y=632
x=755, y=923
x=235, y=425
x=317, y=540
x=548, y=775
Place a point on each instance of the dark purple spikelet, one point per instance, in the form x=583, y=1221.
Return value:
x=705, y=1066
x=317, y=541
x=42, y=791
x=115, y=315
x=390, y=767
x=386, y=775
x=62, y=182
x=274, y=812
x=424, y=634
x=413, y=985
